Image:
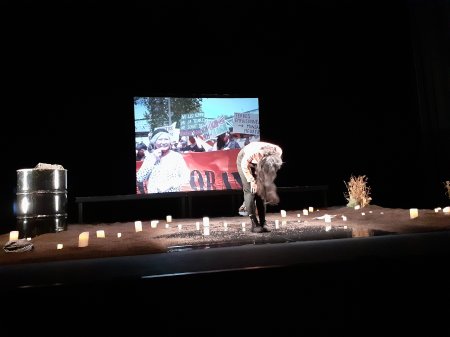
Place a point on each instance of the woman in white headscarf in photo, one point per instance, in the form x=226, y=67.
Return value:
x=163, y=170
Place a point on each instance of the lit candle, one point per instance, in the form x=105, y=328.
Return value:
x=298, y=215
x=225, y=226
x=167, y=225
x=277, y=224
x=197, y=225
x=305, y=212
x=169, y=218
x=119, y=235
x=283, y=213
x=138, y=226
x=154, y=223
x=446, y=209
x=311, y=209
x=205, y=221
x=362, y=213
x=179, y=227
x=327, y=218
x=100, y=233
x=28, y=239
x=243, y=226
x=327, y=228
x=83, y=239
x=357, y=207
x=413, y=213
x=345, y=227
x=436, y=210
x=344, y=218
x=59, y=246
x=206, y=230
x=13, y=235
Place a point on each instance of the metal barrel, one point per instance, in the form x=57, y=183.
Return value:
x=41, y=201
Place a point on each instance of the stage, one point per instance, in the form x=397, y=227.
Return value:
x=182, y=239
x=307, y=276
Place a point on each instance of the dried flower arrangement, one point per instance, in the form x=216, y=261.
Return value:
x=447, y=186
x=358, y=193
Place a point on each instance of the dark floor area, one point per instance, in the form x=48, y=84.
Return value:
x=367, y=289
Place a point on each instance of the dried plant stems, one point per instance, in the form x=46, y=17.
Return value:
x=447, y=186
x=358, y=193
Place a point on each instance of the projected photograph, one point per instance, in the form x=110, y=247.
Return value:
x=191, y=144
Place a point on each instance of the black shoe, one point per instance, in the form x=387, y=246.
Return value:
x=257, y=229
x=265, y=228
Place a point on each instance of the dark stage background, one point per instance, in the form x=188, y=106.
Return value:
x=345, y=87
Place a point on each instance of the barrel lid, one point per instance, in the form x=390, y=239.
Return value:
x=44, y=166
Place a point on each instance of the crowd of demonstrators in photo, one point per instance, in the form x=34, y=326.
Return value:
x=224, y=141
x=190, y=145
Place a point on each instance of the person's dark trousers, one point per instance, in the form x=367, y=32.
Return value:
x=261, y=207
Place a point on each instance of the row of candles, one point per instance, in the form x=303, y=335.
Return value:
x=84, y=237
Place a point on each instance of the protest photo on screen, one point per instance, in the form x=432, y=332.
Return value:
x=191, y=143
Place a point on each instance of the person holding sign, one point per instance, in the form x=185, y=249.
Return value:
x=258, y=164
x=226, y=142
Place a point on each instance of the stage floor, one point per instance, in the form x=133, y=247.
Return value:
x=122, y=239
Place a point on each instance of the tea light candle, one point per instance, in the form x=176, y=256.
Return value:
x=243, y=226
x=225, y=226
x=327, y=228
x=344, y=218
x=83, y=239
x=413, y=213
x=205, y=230
x=28, y=239
x=197, y=225
x=305, y=212
x=277, y=224
x=311, y=209
x=154, y=223
x=205, y=221
x=119, y=235
x=283, y=213
x=327, y=218
x=59, y=246
x=13, y=235
x=167, y=225
x=179, y=227
x=436, y=210
x=138, y=226
x=357, y=207
x=100, y=233
x=446, y=210
x=169, y=218
x=283, y=223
